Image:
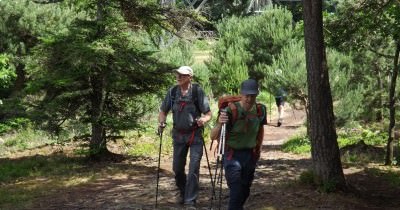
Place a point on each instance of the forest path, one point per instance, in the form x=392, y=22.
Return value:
x=274, y=186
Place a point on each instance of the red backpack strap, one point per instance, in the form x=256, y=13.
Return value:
x=259, y=110
x=260, y=138
x=260, y=113
x=260, y=134
x=234, y=110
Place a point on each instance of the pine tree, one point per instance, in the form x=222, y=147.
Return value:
x=372, y=26
x=22, y=24
x=325, y=153
x=246, y=45
x=100, y=73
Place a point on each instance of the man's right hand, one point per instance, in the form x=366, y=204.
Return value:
x=161, y=127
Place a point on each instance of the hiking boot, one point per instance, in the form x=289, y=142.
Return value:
x=279, y=122
x=178, y=199
x=190, y=205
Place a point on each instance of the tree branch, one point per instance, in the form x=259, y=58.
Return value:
x=47, y=1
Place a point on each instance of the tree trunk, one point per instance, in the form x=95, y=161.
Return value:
x=324, y=147
x=379, y=103
x=97, y=80
x=392, y=108
x=98, y=140
x=307, y=107
x=19, y=83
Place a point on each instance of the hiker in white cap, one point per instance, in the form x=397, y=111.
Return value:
x=190, y=111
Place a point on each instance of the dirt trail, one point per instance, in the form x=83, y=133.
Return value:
x=273, y=187
x=136, y=189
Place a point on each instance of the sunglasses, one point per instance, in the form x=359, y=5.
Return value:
x=182, y=75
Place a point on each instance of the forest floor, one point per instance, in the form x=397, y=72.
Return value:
x=276, y=184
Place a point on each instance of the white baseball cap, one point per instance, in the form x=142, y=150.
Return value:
x=185, y=70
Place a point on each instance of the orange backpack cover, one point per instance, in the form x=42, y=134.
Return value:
x=229, y=100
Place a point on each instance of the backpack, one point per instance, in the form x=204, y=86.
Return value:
x=229, y=101
x=195, y=93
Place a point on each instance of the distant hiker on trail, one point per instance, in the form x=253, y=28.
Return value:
x=280, y=95
x=190, y=111
x=244, y=137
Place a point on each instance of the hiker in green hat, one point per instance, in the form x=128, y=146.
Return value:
x=244, y=136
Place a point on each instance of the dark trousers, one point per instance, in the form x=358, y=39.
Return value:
x=279, y=100
x=239, y=174
x=188, y=185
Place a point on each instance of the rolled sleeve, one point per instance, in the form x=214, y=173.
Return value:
x=166, y=104
x=204, y=104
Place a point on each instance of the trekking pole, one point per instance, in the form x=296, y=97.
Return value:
x=219, y=164
x=208, y=165
x=221, y=152
x=209, y=171
x=270, y=120
x=215, y=178
x=159, y=132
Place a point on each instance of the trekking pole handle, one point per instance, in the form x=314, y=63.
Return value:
x=221, y=146
x=161, y=126
x=223, y=134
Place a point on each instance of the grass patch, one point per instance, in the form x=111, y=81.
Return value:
x=25, y=179
x=362, y=145
x=298, y=145
x=393, y=177
x=307, y=177
x=301, y=144
x=22, y=140
x=203, y=45
x=148, y=145
x=36, y=166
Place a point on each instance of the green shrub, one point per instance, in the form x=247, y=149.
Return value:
x=201, y=76
x=246, y=45
x=361, y=145
x=353, y=136
x=328, y=186
x=202, y=45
